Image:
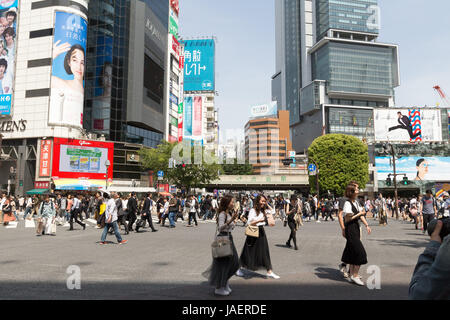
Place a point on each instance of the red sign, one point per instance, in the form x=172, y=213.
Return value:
x=41, y=185
x=75, y=159
x=175, y=4
x=45, y=158
x=181, y=62
x=198, y=123
x=175, y=46
x=180, y=127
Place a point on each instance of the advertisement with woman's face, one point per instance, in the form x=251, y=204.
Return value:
x=8, y=45
x=68, y=68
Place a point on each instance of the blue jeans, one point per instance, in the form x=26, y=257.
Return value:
x=207, y=215
x=27, y=211
x=172, y=218
x=116, y=231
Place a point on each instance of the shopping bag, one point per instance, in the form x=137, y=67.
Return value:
x=40, y=226
x=53, y=227
x=270, y=220
x=29, y=223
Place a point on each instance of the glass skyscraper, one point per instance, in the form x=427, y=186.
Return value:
x=330, y=66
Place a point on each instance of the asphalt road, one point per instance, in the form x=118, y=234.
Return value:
x=168, y=264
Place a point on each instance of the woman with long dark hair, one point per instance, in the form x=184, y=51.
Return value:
x=255, y=254
x=291, y=210
x=354, y=253
x=222, y=269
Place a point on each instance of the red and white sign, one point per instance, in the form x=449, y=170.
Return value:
x=180, y=127
x=82, y=159
x=182, y=62
x=45, y=158
x=41, y=185
x=175, y=46
x=198, y=123
x=175, y=4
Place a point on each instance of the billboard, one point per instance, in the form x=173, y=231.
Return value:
x=68, y=68
x=8, y=48
x=77, y=159
x=408, y=125
x=264, y=110
x=197, y=115
x=416, y=168
x=199, y=65
x=188, y=117
x=45, y=158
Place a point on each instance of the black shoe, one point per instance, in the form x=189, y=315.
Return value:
x=295, y=248
x=288, y=245
x=285, y=223
x=84, y=227
x=154, y=230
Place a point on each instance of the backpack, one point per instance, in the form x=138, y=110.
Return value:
x=196, y=204
x=42, y=207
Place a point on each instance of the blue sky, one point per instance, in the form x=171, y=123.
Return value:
x=245, y=52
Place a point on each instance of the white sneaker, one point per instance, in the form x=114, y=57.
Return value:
x=239, y=273
x=227, y=288
x=221, y=292
x=343, y=270
x=357, y=280
x=318, y=221
x=273, y=275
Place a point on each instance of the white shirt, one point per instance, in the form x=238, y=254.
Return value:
x=252, y=216
x=193, y=206
x=2, y=203
x=348, y=208
x=76, y=203
x=111, y=210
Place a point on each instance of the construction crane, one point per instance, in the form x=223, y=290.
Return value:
x=443, y=95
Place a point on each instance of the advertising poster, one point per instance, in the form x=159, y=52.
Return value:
x=198, y=123
x=180, y=122
x=188, y=117
x=76, y=159
x=173, y=25
x=264, y=110
x=199, y=72
x=175, y=5
x=408, y=125
x=68, y=68
x=45, y=158
x=8, y=46
x=416, y=168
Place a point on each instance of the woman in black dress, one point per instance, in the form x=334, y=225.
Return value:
x=222, y=269
x=354, y=252
x=255, y=254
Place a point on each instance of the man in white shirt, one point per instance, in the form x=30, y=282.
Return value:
x=2, y=202
x=111, y=219
x=76, y=210
x=193, y=205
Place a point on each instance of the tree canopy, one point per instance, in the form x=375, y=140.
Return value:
x=340, y=158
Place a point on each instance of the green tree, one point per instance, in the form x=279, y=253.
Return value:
x=191, y=174
x=341, y=158
x=237, y=169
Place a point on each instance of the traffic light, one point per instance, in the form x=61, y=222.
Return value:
x=405, y=181
x=389, y=181
x=181, y=165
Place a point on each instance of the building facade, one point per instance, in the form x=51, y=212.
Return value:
x=267, y=142
x=330, y=68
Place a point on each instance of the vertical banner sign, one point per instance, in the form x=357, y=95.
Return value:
x=175, y=4
x=68, y=67
x=173, y=25
x=180, y=122
x=8, y=45
x=45, y=158
x=197, y=132
x=199, y=72
x=188, y=117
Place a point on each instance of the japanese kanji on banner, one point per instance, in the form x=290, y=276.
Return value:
x=45, y=158
x=199, y=73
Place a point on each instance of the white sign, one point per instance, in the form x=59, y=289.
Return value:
x=264, y=110
x=408, y=125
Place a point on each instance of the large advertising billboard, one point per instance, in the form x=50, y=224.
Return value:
x=188, y=105
x=8, y=48
x=417, y=169
x=86, y=159
x=199, y=66
x=264, y=110
x=408, y=125
x=68, y=68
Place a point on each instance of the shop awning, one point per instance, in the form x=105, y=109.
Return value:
x=79, y=184
x=38, y=191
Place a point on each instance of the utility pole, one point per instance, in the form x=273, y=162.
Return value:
x=392, y=152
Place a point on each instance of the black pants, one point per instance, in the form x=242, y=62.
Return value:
x=147, y=217
x=131, y=218
x=74, y=215
x=123, y=220
x=329, y=214
x=192, y=215
x=426, y=220
x=179, y=215
x=293, y=235
x=409, y=129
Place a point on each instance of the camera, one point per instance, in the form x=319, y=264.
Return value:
x=445, y=227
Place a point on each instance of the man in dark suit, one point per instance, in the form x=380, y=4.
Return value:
x=405, y=124
x=147, y=213
x=132, y=208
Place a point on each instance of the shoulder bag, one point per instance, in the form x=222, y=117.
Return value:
x=252, y=231
x=270, y=220
x=221, y=246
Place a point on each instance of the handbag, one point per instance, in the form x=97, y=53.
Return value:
x=53, y=227
x=221, y=246
x=40, y=226
x=252, y=231
x=270, y=220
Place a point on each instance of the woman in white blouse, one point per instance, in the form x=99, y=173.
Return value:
x=255, y=254
x=222, y=269
x=354, y=253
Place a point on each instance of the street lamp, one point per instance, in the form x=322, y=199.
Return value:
x=107, y=164
x=389, y=148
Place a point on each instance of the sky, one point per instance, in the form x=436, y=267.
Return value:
x=245, y=49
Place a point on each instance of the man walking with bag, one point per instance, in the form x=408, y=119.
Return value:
x=132, y=207
x=111, y=219
x=76, y=210
x=147, y=213
x=46, y=216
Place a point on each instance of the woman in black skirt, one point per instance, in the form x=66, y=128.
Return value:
x=354, y=252
x=291, y=210
x=222, y=269
x=255, y=254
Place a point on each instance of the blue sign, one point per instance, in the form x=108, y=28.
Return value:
x=188, y=105
x=312, y=168
x=199, y=72
x=160, y=174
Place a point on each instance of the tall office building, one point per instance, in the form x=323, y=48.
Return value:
x=330, y=70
